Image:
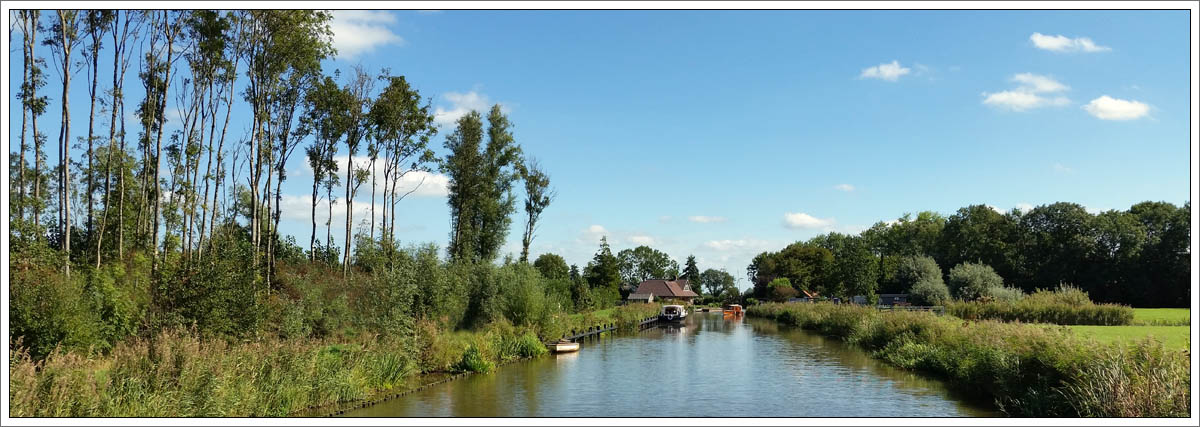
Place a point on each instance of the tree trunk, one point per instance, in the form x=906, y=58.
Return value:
x=64, y=151
x=372, y=198
x=91, y=175
x=25, y=99
x=349, y=213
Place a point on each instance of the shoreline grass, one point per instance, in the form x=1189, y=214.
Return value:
x=1027, y=370
x=179, y=374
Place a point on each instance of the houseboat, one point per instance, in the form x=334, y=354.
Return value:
x=733, y=310
x=672, y=313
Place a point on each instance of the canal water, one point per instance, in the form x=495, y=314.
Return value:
x=710, y=366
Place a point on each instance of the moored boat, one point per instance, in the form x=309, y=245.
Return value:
x=672, y=313
x=563, y=346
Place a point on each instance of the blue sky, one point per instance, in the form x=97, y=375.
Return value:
x=726, y=133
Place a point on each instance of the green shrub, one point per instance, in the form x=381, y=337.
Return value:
x=1004, y=294
x=1063, y=307
x=929, y=291
x=473, y=361
x=970, y=281
x=912, y=270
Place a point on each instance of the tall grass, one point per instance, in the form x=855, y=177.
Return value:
x=1064, y=306
x=1026, y=370
x=177, y=374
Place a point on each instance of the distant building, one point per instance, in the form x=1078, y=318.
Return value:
x=893, y=299
x=664, y=290
x=636, y=298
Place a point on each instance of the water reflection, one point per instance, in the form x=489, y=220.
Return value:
x=708, y=366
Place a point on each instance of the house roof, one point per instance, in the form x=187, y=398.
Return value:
x=645, y=296
x=666, y=288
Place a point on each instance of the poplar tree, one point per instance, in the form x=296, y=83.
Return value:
x=63, y=38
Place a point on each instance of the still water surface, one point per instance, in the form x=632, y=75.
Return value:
x=709, y=366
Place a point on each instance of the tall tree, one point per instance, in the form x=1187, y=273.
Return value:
x=325, y=118
x=552, y=267
x=643, y=263
x=716, y=281
x=359, y=93
x=63, y=38
x=122, y=31
x=283, y=49
x=95, y=24
x=538, y=196
x=481, y=200
x=461, y=165
x=690, y=270
x=402, y=126
x=34, y=106
x=603, y=274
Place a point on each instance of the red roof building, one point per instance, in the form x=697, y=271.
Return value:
x=667, y=290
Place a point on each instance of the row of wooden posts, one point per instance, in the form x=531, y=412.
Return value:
x=605, y=328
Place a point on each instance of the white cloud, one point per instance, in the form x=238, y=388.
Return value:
x=664, y=218
x=803, y=220
x=460, y=105
x=1108, y=108
x=733, y=245
x=996, y=209
x=1028, y=94
x=886, y=71
x=844, y=187
x=299, y=209
x=1059, y=167
x=1061, y=43
x=1037, y=83
x=357, y=32
x=707, y=219
x=420, y=183
x=642, y=239
x=1024, y=207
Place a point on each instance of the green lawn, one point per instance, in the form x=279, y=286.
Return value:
x=1162, y=316
x=1175, y=337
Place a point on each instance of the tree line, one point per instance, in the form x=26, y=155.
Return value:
x=1139, y=256
x=175, y=195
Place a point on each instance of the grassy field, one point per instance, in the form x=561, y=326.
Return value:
x=1162, y=316
x=1174, y=337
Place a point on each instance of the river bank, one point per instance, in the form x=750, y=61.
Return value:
x=1029, y=370
x=179, y=374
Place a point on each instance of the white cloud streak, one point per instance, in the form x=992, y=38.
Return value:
x=707, y=219
x=844, y=187
x=1061, y=43
x=460, y=104
x=890, y=71
x=1032, y=92
x=801, y=220
x=357, y=32
x=420, y=183
x=1108, y=108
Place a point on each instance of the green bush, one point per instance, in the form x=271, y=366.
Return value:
x=970, y=281
x=1066, y=306
x=929, y=291
x=473, y=361
x=1004, y=294
x=912, y=270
